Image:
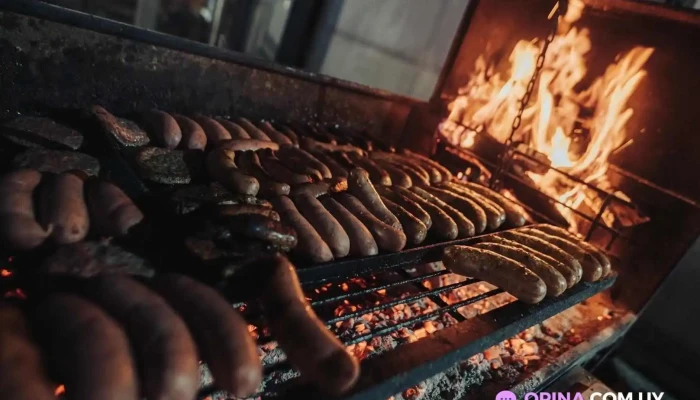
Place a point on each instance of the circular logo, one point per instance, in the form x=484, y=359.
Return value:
x=506, y=395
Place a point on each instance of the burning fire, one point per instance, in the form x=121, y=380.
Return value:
x=577, y=130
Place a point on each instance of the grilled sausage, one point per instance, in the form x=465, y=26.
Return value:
x=220, y=332
x=222, y=168
x=112, y=213
x=252, y=130
x=377, y=175
x=77, y=337
x=404, y=163
x=301, y=156
x=249, y=163
x=567, y=272
x=443, y=224
x=592, y=270
x=299, y=167
x=509, y=275
x=239, y=209
x=336, y=169
x=360, y=186
x=326, y=225
x=164, y=349
x=247, y=144
x=415, y=230
x=309, y=242
x=416, y=177
x=260, y=227
x=19, y=229
x=556, y=284
x=233, y=129
x=398, y=176
x=546, y=248
x=22, y=375
x=310, y=346
x=193, y=136
x=409, y=205
x=314, y=189
x=272, y=133
x=164, y=128
x=62, y=205
x=464, y=225
x=566, y=235
x=287, y=131
x=214, y=131
x=361, y=241
x=495, y=214
x=280, y=172
x=471, y=210
x=515, y=215
x=387, y=237
x=445, y=173
x=314, y=146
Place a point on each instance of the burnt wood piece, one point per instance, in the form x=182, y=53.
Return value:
x=163, y=165
x=125, y=132
x=57, y=161
x=41, y=132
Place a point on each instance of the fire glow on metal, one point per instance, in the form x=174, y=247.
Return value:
x=508, y=395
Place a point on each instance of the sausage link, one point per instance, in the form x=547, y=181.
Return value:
x=495, y=214
x=164, y=128
x=398, y=176
x=415, y=230
x=566, y=235
x=470, y=208
x=249, y=163
x=301, y=156
x=252, y=130
x=309, y=242
x=112, y=213
x=63, y=207
x=443, y=224
x=361, y=241
x=247, y=144
x=336, y=169
x=239, y=209
x=19, y=229
x=411, y=206
x=387, y=237
x=444, y=172
x=377, y=175
x=464, y=225
x=280, y=172
x=515, y=215
x=359, y=185
x=272, y=133
x=233, y=129
x=193, y=136
x=326, y=225
x=545, y=248
x=214, y=131
x=222, y=168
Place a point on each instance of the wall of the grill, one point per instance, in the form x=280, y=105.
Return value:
x=47, y=66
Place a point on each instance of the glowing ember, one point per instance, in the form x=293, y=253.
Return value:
x=60, y=389
x=16, y=294
x=5, y=273
x=577, y=130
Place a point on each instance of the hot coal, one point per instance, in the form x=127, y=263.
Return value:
x=163, y=165
x=41, y=132
x=122, y=131
x=57, y=161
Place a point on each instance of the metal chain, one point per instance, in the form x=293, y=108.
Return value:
x=507, y=155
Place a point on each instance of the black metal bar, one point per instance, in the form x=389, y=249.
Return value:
x=435, y=298
x=299, y=32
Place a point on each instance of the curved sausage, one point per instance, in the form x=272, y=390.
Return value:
x=249, y=163
x=471, y=209
x=515, y=215
x=112, y=213
x=387, y=237
x=166, y=353
x=247, y=144
x=233, y=129
x=311, y=347
x=360, y=186
x=260, y=227
x=409, y=205
x=361, y=241
x=495, y=215
x=398, y=176
x=546, y=248
x=164, y=128
x=193, y=136
x=464, y=225
x=214, y=131
x=272, y=133
x=444, y=172
x=314, y=189
x=592, y=270
x=566, y=235
x=63, y=207
x=86, y=349
x=301, y=156
x=326, y=225
x=404, y=163
x=252, y=130
x=298, y=167
x=239, y=209
x=507, y=274
x=556, y=284
x=222, y=168
x=280, y=172
x=415, y=230
x=19, y=229
x=220, y=332
x=22, y=375
x=377, y=175
x=309, y=242
x=443, y=224
x=289, y=133
x=336, y=169
x=314, y=146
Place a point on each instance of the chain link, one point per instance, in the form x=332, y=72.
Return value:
x=507, y=155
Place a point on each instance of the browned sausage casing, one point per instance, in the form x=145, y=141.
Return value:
x=220, y=332
x=214, y=131
x=411, y=206
x=86, y=349
x=233, y=129
x=507, y=274
x=19, y=229
x=444, y=172
x=112, y=213
x=567, y=272
x=387, y=237
x=361, y=241
x=193, y=136
x=495, y=215
x=247, y=144
x=471, y=210
x=443, y=224
x=22, y=377
x=301, y=156
x=222, y=168
x=564, y=234
x=545, y=248
x=274, y=134
x=238, y=209
x=249, y=163
x=556, y=284
x=592, y=270
x=252, y=130
x=360, y=186
x=280, y=172
x=63, y=207
x=164, y=349
x=377, y=174
x=164, y=128
x=336, y=169
x=311, y=347
x=309, y=242
x=515, y=215
x=464, y=225
x=398, y=176
x=326, y=225
x=415, y=230
x=299, y=167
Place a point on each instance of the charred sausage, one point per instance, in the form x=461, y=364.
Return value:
x=515, y=216
x=238, y=209
x=252, y=130
x=415, y=230
x=63, y=207
x=280, y=172
x=249, y=163
x=214, y=131
x=495, y=215
x=298, y=155
x=326, y=225
x=260, y=227
x=233, y=129
x=336, y=169
x=220, y=332
x=443, y=224
x=546, y=248
x=222, y=168
x=387, y=237
x=361, y=241
x=164, y=128
x=444, y=172
x=359, y=185
x=274, y=134
x=566, y=235
x=464, y=225
x=77, y=336
x=471, y=209
x=398, y=176
x=289, y=133
x=309, y=242
x=19, y=229
x=112, y=213
x=193, y=136
x=409, y=205
x=509, y=275
x=377, y=174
